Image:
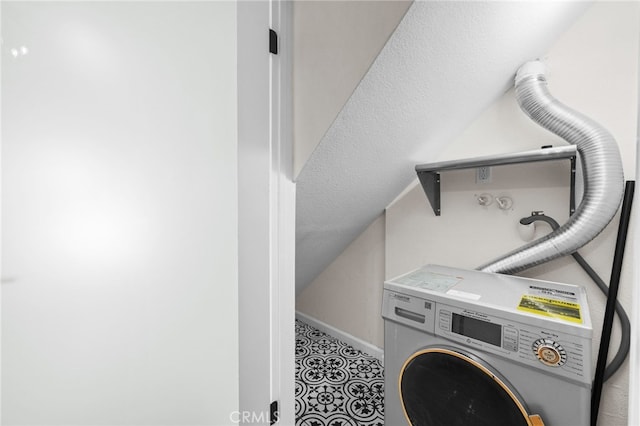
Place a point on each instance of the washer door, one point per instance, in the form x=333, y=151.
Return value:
x=444, y=387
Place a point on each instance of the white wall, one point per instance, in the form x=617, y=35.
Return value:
x=347, y=294
x=335, y=43
x=119, y=213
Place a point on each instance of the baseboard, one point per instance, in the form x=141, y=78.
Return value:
x=347, y=338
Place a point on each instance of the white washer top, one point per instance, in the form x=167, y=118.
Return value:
x=523, y=299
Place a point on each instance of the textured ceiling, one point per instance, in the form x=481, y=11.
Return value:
x=445, y=63
x=335, y=43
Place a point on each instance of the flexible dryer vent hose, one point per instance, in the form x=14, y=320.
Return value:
x=601, y=169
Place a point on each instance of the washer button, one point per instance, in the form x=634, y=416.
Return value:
x=549, y=352
x=548, y=355
x=444, y=320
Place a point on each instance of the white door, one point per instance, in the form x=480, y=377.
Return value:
x=119, y=213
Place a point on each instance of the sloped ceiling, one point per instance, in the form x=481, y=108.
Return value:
x=445, y=63
x=335, y=43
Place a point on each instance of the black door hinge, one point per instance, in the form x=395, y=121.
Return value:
x=273, y=42
x=274, y=414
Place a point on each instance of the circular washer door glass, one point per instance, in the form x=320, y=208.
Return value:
x=443, y=387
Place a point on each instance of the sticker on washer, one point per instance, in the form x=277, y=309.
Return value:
x=429, y=280
x=554, y=293
x=464, y=294
x=547, y=307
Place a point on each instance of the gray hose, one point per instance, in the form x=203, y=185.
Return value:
x=625, y=324
x=601, y=167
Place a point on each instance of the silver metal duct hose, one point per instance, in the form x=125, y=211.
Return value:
x=601, y=168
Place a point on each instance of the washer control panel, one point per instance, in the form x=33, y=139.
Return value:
x=558, y=353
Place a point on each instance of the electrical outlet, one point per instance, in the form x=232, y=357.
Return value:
x=483, y=174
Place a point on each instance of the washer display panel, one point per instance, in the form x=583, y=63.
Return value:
x=443, y=387
x=477, y=329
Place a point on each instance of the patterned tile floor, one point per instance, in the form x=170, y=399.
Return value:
x=336, y=385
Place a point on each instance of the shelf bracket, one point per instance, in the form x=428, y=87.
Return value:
x=572, y=189
x=430, y=182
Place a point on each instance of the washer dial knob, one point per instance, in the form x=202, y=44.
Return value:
x=549, y=352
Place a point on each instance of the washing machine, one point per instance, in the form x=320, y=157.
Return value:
x=466, y=348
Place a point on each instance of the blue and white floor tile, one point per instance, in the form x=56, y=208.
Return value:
x=336, y=385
